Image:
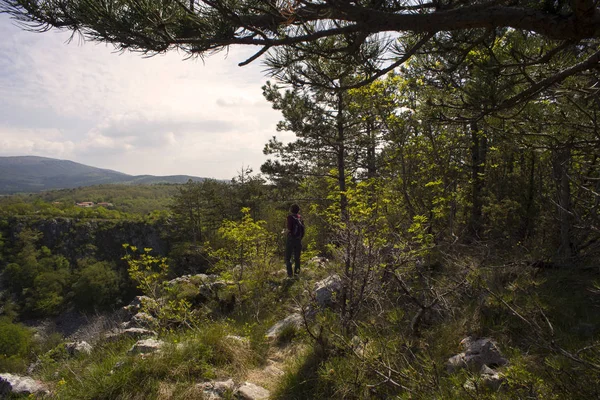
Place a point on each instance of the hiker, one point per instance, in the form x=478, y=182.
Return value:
x=293, y=244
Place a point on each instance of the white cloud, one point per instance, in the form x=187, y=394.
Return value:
x=141, y=116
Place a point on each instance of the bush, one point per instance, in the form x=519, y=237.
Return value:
x=15, y=342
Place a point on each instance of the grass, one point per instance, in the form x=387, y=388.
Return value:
x=414, y=363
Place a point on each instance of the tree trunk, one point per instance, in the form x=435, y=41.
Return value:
x=560, y=166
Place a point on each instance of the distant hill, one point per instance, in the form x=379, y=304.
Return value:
x=27, y=174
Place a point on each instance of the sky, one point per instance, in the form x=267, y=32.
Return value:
x=160, y=116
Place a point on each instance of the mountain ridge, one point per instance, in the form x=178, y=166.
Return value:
x=31, y=174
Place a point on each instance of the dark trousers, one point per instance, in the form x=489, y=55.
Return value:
x=293, y=247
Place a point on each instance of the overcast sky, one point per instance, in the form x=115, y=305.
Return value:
x=160, y=116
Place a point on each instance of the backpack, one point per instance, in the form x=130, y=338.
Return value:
x=297, y=226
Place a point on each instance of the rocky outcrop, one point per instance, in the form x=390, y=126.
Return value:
x=477, y=353
x=22, y=385
x=135, y=333
x=102, y=239
x=136, y=305
x=140, y=320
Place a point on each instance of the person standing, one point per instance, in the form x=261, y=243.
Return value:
x=293, y=244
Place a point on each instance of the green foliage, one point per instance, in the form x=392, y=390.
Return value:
x=96, y=285
x=150, y=275
x=39, y=280
x=129, y=202
x=15, y=343
x=247, y=244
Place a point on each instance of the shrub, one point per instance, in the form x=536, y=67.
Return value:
x=15, y=342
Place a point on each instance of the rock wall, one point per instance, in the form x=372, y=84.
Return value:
x=102, y=239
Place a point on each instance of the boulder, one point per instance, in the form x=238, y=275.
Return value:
x=23, y=385
x=250, y=391
x=293, y=320
x=327, y=289
x=76, y=348
x=477, y=353
x=146, y=346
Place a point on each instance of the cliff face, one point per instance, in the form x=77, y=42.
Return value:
x=102, y=239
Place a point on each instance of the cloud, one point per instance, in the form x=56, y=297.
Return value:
x=142, y=116
x=42, y=142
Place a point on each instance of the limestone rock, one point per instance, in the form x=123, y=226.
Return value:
x=135, y=333
x=146, y=346
x=327, y=289
x=478, y=352
x=25, y=385
x=76, y=348
x=273, y=370
x=140, y=320
x=293, y=320
x=250, y=391
x=138, y=332
x=136, y=304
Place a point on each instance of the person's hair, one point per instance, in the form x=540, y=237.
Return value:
x=295, y=208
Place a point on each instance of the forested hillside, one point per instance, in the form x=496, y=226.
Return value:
x=449, y=181
x=29, y=174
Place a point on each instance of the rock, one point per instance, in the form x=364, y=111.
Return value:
x=76, y=348
x=318, y=261
x=293, y=320
x=215, y=390
x=136, y=304
x=135, y=333
x=326, y=290
x=250, y=391
x=146, y=346
x=140, y=320
x=493, y=381
x=478, y=352
x=488, y=379
x=138, y=332
x=24, y=385
x=273, y=370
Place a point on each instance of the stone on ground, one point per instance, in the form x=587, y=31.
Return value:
x=23, y=385
x=250, y=391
